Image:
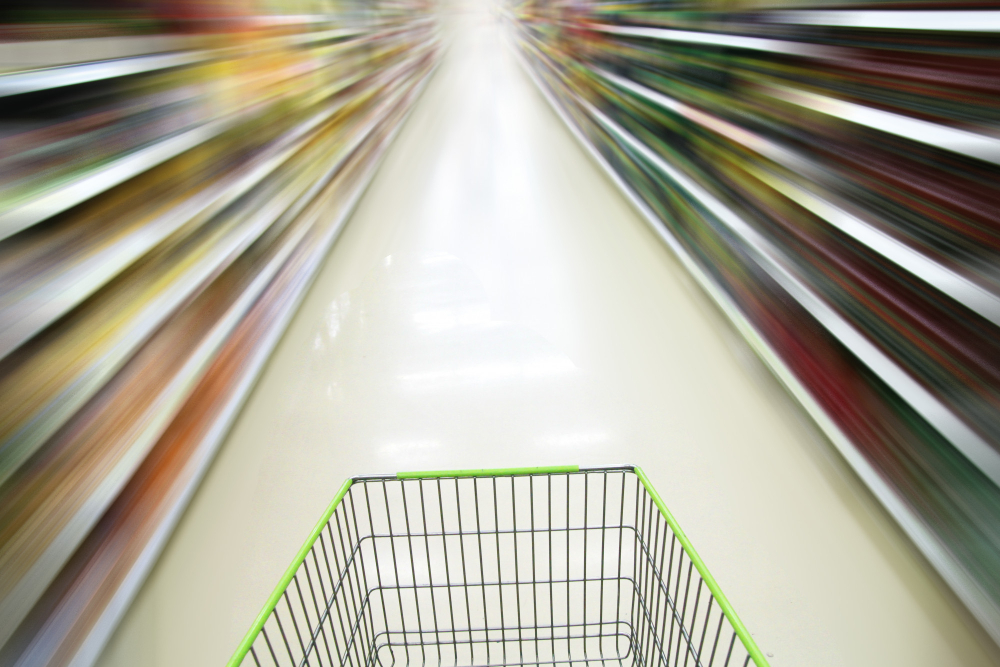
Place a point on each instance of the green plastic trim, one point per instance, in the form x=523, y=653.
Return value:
x=488, y=472
x=713, y=585
x=286, y=579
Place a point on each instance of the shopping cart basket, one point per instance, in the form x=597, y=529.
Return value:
x=528, y=566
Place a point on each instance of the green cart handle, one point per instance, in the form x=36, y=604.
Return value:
x=489, y=472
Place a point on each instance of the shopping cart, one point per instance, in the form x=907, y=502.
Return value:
x=526, y=566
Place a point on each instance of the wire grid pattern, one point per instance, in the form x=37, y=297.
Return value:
x=539, y=569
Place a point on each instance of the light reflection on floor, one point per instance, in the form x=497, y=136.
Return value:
x=416, y=340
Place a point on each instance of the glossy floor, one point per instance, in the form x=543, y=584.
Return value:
x=495, y=302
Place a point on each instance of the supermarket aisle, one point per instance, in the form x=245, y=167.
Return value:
x=494, y=302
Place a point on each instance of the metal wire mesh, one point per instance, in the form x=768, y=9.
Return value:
x=539, y=569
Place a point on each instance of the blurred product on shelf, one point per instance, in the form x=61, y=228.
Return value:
x=171, y=176
x=831, y=178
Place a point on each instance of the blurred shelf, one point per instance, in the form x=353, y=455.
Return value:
x=959, y=20
x=19, y=83
x=159, y=267
x=867, y=289
x=961, y=288
x=53, y=276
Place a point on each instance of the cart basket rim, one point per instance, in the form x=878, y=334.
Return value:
x=727, y=608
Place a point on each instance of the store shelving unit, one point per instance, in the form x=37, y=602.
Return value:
x=826, y=176
x=164, y=211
